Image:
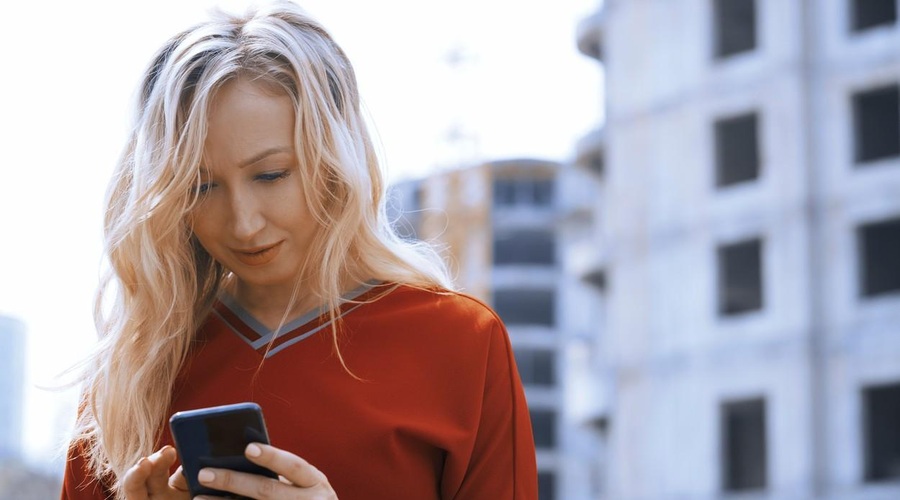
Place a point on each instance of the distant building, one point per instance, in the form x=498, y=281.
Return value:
x=501, y=224
x=12, y=386
x=749, y=243
x=19, y=482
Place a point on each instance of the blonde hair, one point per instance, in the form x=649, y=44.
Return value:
x=161, y=283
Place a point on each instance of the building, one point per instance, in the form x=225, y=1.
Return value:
x=749, y=247
x=502, y=226
x=12, y=386
x=19, y=482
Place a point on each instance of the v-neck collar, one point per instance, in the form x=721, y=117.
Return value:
x=258, y=336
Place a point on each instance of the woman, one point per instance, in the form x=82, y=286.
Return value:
x=251, y=260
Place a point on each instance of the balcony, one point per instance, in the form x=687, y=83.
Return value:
x=595, y=277
x=589, y=35
x=589, y=151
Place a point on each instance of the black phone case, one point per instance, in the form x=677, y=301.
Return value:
x=216, y=437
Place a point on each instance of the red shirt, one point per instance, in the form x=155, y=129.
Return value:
x=439, y=412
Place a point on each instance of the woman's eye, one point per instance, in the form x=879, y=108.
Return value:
x=273, y=176
x=203, y=188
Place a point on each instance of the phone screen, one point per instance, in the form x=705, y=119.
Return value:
x=216, y=437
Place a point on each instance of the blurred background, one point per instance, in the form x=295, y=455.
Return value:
x=686, y=211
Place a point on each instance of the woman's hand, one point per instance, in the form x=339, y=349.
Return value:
x=149, y=479
x=299, y=480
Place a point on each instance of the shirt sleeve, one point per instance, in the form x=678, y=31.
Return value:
x=503, y=464
x=78, y=482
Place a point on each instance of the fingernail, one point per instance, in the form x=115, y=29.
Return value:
x=253, y=450
x=206, y=476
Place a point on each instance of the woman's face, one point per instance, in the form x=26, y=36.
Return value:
x=252, y=216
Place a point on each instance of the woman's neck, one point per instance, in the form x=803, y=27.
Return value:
x=273, y=306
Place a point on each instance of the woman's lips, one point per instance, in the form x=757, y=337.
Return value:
x=258, y=256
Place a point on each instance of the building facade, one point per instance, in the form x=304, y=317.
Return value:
x=747, y=237
x=12, y=386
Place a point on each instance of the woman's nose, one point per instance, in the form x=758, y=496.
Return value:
x=247, y=217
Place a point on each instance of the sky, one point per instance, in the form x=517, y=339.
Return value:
x=446, y=84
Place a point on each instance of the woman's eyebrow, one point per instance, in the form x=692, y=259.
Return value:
x=264, y=154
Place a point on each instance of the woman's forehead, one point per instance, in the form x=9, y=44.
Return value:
x=246, y=121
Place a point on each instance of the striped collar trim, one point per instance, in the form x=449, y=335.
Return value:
x=258, y=336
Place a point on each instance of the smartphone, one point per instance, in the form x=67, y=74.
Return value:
x=216, y=437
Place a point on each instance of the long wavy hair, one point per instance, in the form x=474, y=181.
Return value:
x=160, y=283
